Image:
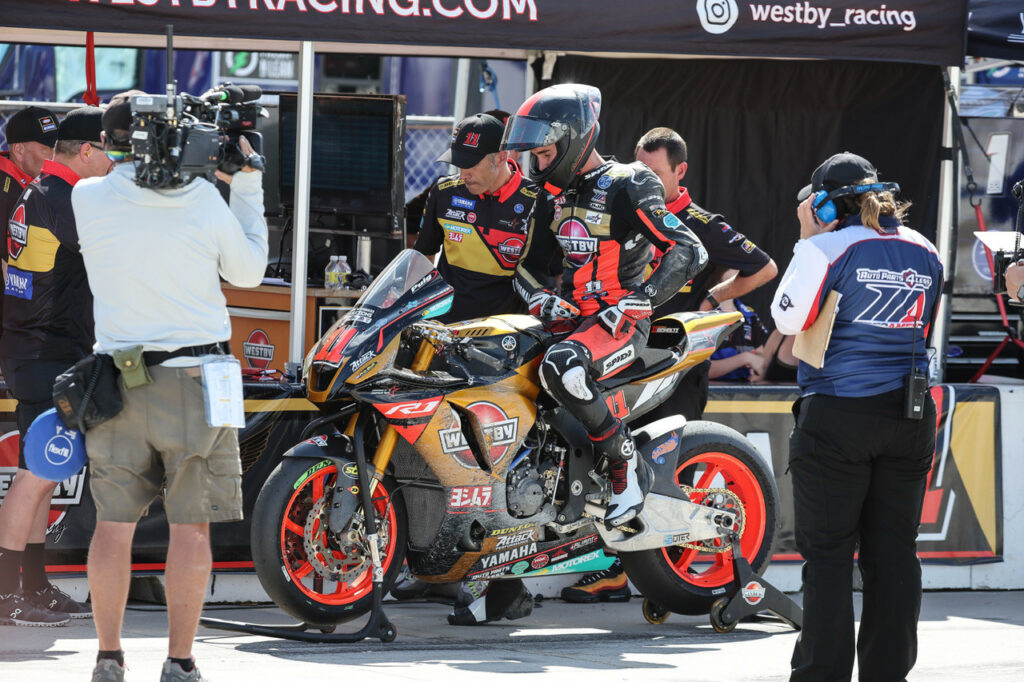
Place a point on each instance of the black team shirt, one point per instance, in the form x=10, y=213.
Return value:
x=47, y=301
x=13, y=182
x=726, y=248
x=482, y=237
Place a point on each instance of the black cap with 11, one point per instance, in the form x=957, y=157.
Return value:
x=474, y=138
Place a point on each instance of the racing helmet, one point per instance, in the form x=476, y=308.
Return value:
x=564, y=115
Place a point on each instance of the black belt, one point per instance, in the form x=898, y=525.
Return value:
x=157, y=357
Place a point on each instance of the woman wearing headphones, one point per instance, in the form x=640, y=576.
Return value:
x=864, y=437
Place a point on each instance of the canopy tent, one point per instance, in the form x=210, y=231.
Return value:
x=995, y=29
x=914, y=32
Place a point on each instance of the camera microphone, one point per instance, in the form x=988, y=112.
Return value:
x=233, y=94
x=1018, y=189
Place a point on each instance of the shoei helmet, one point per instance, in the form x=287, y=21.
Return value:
x=563, y=115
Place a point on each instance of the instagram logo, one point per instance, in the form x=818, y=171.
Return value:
x=717, y=16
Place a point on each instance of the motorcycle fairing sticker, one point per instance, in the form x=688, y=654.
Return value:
x=409, y=418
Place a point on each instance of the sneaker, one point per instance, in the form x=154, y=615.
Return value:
x=16, y=610
x=470, y=591
x=108, y=670
x=172, y=672
x=610, y=584
x=504, y=599
x=53, y=599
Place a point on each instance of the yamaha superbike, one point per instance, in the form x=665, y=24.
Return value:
x=476, y=473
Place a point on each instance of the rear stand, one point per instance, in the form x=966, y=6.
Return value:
x=753, y=594
x=377, y=625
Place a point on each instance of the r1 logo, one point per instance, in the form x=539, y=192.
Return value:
x=420, y=408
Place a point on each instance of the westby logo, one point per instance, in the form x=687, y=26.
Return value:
x=753, y=592
x=717, y=16
x=67, y=493
x=497, y=427
x=258, y=350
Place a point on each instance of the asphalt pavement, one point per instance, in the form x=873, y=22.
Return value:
x=964, y=636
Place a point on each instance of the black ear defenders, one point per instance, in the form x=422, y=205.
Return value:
x=825, y=209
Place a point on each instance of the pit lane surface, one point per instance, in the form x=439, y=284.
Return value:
x=963, y=636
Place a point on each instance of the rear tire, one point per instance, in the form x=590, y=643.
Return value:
x=283, y=527
x=687, y=580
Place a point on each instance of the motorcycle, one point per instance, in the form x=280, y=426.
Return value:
x=476, y=473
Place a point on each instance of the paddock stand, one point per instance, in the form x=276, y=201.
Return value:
x=753, y=594
x=377, y=625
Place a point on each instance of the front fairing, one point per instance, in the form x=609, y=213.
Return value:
x=363, y=342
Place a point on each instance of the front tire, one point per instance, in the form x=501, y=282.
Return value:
x=689, y=580
x=306, y=571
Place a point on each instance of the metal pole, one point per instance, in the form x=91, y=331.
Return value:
x=300, y=221
x=461, y=90
x=948, y=196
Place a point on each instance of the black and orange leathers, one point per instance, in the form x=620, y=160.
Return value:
x=607, y=225
x=482, y=237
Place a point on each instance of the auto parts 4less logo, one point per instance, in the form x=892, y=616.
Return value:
x=717, y=16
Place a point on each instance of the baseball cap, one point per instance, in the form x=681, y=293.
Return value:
x=83, y=124
x=474, y=138
x=33, y=124
x=117, y=119
x=838, y=171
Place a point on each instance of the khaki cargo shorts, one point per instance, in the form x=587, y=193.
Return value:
x=161, y=442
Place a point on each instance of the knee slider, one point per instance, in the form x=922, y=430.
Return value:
x=563, y=373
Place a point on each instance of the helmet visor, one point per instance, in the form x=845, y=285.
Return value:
x=526, y=132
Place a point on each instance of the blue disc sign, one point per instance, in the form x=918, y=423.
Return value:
x=52, y=451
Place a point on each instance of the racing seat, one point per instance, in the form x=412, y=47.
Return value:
x=650, y=362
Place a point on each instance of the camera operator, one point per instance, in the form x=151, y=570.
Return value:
x=864, y=437
x=1015, y=281
x=47, y=327
x=154, y=258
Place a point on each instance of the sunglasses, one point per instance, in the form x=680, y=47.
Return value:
x=118, y=156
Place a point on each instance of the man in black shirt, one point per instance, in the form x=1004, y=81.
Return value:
x=478, y=219
x=47, y=328
x=31, y=134
x=664, y=152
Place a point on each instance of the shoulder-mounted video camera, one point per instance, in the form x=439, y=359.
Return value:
x=176, y=138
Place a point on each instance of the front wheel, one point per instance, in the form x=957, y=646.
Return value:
x=308, y=571
x=688, y=579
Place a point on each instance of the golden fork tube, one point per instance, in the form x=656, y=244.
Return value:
x=386, y=446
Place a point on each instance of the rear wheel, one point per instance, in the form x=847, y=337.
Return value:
x=689, y=578
x=311, y=573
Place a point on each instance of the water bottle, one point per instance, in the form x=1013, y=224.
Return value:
x=332, y=274
x=344, y=272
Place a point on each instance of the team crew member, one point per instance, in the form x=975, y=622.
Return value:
x=155, y=259
x=664, y=152
x=478, y=220
x=31, y=134
x=859, y=465
x=604, y=216
x=47, y=328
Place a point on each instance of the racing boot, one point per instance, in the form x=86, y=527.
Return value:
x=503, y=599
x=630, y=477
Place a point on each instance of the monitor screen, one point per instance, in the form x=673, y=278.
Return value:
x=353, y=153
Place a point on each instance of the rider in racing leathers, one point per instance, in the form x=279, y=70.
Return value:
x=605, y=216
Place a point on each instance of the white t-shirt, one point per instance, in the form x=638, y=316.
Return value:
x=154, y=257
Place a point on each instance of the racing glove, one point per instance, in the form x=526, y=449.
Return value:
x=620, y=319
x=549, y=306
